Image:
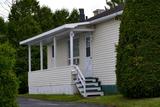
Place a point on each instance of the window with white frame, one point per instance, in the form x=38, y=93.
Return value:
x=88, y=46
x=75, y=51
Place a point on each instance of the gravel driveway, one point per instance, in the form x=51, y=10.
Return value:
x=26, y=102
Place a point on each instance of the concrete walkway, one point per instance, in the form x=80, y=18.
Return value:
x=27, y=102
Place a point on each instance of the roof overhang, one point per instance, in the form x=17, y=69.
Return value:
x=66, y=28
x=57, y=31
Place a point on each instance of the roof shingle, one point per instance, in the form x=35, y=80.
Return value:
x=107, y=12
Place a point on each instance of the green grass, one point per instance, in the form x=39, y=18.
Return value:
x=63, y=98
x=113, y=100
x=120, y=101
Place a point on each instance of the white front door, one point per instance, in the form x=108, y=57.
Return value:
x=88, y=58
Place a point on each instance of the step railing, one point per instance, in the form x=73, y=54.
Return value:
x=80, y=77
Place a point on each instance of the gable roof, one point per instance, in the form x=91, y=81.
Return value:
x=107, y=12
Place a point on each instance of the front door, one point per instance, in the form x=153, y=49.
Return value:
x=88, y=58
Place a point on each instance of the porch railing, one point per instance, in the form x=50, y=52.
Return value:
x=81, y=79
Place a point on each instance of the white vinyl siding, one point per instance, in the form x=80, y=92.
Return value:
x=105, y=38
x=51, y=77
x=61, y=52
x=50, y=61
x=52, y=81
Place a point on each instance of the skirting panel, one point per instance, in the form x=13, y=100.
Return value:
x=59, y=89
x=109, y=89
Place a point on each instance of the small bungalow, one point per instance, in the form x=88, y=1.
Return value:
x=81, y=57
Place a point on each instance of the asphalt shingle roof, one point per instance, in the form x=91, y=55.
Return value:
x=107, y=12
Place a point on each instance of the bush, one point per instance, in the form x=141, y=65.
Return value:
x=138, y=52
x=8, y=80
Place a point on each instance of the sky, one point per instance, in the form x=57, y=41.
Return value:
x=88, y=5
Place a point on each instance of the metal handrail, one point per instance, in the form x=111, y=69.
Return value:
x=81, y=78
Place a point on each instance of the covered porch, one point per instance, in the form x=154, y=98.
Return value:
x=63, y=66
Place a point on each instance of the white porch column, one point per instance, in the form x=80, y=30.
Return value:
x=41, y=55
x=55, y=46
x=29, y=58
x=71, y=48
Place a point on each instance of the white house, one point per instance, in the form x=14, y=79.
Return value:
x=81, y=57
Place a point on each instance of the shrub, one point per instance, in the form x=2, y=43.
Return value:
x=138, y=52
x=8, y=80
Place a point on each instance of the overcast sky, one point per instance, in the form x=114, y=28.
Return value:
x=88, y=5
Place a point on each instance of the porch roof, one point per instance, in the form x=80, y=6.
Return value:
x=66, y=28
x=52, y=32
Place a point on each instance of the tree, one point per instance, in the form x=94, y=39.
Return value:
x=138, y=52
x=22, y=25
x=114, y=3
x=63, y=16
x=26, y=20
x=3, y=26
x=3, y=30
x=8, y=80
x=45, y=18
x=23, y=8
x=60, y=17
x=73, y=17
x=24, y=28
x=20, y=19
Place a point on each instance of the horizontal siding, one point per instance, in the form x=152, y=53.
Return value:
x=105, y=39
x=52, y=77
x=58, y=89
x=62, y=52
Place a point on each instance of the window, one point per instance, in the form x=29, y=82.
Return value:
x=88, y=50
x=52, y=51
x=75, y=51
x=75, y=48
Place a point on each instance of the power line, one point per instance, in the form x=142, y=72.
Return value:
x=4, y=7
x=8, y=3
x=5, y=4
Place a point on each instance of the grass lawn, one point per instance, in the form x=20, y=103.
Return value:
x=63, y=98
x=113, y=100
